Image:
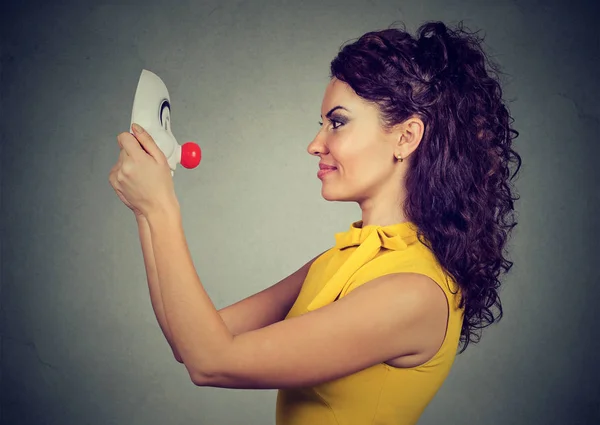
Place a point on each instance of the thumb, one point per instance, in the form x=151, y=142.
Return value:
x=147, y=142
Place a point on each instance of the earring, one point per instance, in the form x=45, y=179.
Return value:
x=400, y=157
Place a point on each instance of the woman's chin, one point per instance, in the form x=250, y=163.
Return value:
x=330, y=195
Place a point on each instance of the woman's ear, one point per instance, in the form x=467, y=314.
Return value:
x=409, y=135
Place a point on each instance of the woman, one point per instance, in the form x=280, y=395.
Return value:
x=415, y=131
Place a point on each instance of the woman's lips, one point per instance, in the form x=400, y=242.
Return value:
x=324, y=171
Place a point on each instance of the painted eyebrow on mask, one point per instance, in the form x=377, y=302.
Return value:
x=334, y=109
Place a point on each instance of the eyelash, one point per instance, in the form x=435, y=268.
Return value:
x=340, y=123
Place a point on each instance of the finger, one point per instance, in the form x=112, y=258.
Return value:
x=122, y=155
x=119, y=142
x=119, y=164
x=112, y=176
x=147, y=142
x=119, y=138
x=130, y=144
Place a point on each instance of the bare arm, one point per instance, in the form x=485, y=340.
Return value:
x=153, y=287
x=407, y=315
x=254, y=312
x=268, y=306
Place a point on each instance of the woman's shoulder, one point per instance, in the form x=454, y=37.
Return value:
x=416, y=258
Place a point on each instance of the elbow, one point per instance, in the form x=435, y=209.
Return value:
x=176, y=355
x=199, y=375
x=200, y=379
x=205, y=374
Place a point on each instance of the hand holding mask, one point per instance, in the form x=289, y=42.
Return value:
x=152, y=110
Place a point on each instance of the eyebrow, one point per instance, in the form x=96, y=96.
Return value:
x=334, y=109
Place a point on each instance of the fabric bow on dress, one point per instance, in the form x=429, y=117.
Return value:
x=369, y=240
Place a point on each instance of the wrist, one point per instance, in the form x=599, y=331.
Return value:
x=165, y=212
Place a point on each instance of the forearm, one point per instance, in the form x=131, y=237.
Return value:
x=196, y=328
x=153, y=286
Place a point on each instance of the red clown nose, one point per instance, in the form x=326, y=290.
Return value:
x=190, y=155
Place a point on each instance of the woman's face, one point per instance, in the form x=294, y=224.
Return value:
x=353, y=140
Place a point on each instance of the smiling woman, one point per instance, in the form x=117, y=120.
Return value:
x=415, y=131
x=417, y=134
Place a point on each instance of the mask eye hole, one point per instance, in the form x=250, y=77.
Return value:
x=165, y=115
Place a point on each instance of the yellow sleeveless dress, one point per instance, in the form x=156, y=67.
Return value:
x=380, y=394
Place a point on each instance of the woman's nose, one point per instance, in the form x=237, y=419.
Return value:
x=317, y=146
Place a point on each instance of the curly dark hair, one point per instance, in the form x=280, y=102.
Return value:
x=458, y=190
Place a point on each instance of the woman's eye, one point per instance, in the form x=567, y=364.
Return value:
x=336, y=124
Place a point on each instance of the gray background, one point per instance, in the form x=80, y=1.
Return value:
x=80, y=344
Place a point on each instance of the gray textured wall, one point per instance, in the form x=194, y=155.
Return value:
x=80, y=344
